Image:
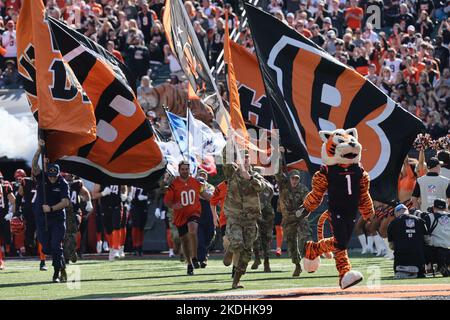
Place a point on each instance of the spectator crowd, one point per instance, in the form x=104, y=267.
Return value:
x=400, y=45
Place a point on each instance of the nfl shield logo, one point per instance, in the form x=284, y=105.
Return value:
x=444, y=220
x=410, y=223
x=431, y=188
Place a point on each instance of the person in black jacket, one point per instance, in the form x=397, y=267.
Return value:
x=406, y=236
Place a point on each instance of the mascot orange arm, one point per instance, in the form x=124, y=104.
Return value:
x=319, y=186
x=365, y=202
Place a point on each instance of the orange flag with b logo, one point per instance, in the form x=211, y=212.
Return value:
x=51, y=85
x=84, y=96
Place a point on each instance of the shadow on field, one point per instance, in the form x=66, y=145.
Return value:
x=160, y=294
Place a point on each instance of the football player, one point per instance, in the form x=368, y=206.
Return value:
x=111, y=198
x=183, y=196
x=7, y=209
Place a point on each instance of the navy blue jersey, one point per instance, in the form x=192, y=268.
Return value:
x=343, y=188
x=136, y=192
x=75, y=188
x=113, y=199
x=407, y=233
x=5, y=190
x=55, y=192
x=29, y=191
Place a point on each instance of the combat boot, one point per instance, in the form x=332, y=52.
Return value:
x=73, y=257
x=63, y=276
x=256, y=264
x=297, y=271
x=236, y=284
x=228, y=258
x=56, y=275
x=267, y=265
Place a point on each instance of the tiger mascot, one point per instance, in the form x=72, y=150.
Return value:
x=348, y=191
x=175, y=98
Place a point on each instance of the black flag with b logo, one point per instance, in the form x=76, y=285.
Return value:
x=309, y=91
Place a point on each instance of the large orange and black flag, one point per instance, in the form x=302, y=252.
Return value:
x=255, y=107
x=310, y=91
x=184, y=44
x=66, y=112
x=237, y=121
x=124, y=150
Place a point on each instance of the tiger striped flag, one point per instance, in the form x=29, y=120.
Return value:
x=184, y=44
x=309, y=91
x=82, y=74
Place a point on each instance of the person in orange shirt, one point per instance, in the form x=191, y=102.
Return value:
x=300, y=27
x=354, y=15
x=410, y=73
x=183, y=196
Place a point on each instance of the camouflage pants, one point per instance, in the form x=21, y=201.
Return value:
x=265, y=230
x=70, y=238
x=242, y=235
x=70, y=245
x=297, y=232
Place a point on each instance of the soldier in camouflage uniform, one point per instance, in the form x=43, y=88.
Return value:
x=265, y=228
x=296, y=230
x=78, y=195
x=70, y=238
x=242, y=209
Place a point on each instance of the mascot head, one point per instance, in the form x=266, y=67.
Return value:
x=340, y=147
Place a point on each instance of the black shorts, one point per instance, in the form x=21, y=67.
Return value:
x=184, y=228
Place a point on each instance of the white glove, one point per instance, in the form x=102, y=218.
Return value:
x=123, y=197
x=158, y=213
x=9, y=216
x=163, y=214
x=89, y=206
x=142, y=198
x=127, y=206
x=106, y=192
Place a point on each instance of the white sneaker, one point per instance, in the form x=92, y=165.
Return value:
x=121, y=252
x=116, y=253
x=171, y=254
x=351, y=278
x=112, y=254
x=99, y=246
x=105, y=246
x=389, y=255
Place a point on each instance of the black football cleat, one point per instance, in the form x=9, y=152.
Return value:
x=42, y=266
x=190, y=270
x=63, y=276
x=195, y=263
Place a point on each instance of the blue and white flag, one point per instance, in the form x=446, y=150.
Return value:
x=179, y=129
x=202, y=139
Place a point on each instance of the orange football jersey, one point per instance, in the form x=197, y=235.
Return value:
x=218, y=198
x=188, y=194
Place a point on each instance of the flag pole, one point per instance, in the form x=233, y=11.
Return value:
x=171, y=131
x=188, y=129
x=41, y=136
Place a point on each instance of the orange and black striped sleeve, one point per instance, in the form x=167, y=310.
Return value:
x=321, y=223
x=319, y=187
x=365, y=202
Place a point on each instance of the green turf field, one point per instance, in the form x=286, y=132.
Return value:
x=159, y=276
